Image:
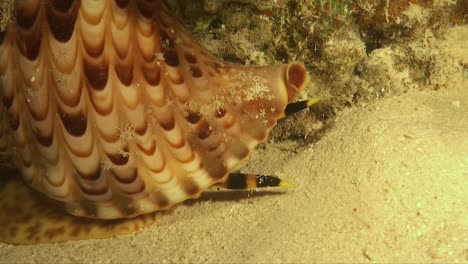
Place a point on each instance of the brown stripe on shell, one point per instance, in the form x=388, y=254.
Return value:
x=216, y=168
x=195, y=71
x=151, y=73
x=30, y=45
x=62, y=5
x=167, y=123
x=76, y=124
x=44, y=140
x=160, y=199
x=122, y=3
x=61, y=17
x=125, y=205
x=171, y=57
x=193, y=117
x=141, y=130
x=96, y=73
x=146, y=7
x=93, y=176
x=189, y=186
x=29, y=33
x=124, y=72
x=204, y=130
x=96, y=51
x=190, y=58
x=220, y=112
x=150, y=151
x=26, y=163
x=118, y=158
x=134, y=179
x=129, y=180
x=25, y=15
x=94, y=190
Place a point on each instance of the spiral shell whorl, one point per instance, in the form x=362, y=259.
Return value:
x=113, y=109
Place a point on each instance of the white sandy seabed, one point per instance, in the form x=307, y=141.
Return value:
x=386, y=183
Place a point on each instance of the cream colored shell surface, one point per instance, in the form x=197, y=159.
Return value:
x=113, y=109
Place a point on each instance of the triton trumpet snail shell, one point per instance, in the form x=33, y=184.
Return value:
x=114, y=110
